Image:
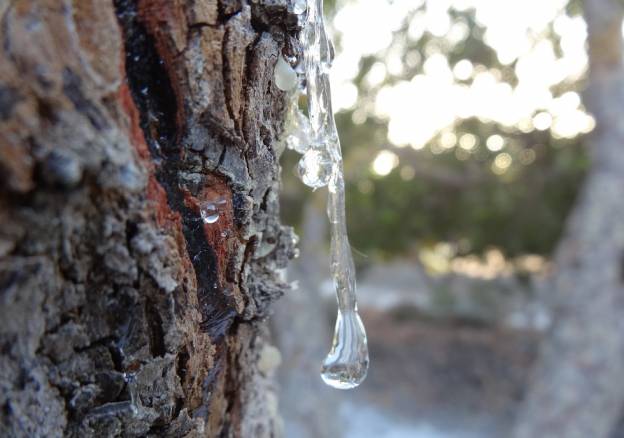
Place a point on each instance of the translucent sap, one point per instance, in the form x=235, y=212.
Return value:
x=315, y=168
x=299, y=6
x=209, y=210
x=285, y=75
x=346, y=364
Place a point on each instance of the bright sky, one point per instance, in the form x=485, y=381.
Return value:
x=430, y=103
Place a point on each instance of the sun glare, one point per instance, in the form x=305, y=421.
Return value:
x=385, y=162
x=422, y=107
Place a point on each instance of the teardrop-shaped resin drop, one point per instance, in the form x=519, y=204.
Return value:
x=299, y=137
x=327, y=53
x=315, y=168
x=300, y=6
x=209, y=212
x=285, y=76
x=346, y=364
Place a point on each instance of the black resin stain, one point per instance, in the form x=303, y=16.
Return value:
x=156, y=101
x=9, y=97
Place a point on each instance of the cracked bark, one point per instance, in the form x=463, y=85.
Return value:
x=118, y=121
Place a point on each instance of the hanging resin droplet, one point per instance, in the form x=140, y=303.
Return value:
x=135, y=401
x=346, y=365
x=327, y=53
x=315, y=168
x=209, y=211
x=209, y=214
x=300, y=6
x=298, y=138
x=285, y=76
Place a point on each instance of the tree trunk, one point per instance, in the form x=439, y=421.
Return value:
x=140, y=243
x=578, y=386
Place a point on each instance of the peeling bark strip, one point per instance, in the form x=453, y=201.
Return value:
x=122, y=313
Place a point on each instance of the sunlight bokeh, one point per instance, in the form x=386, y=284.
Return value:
x=466, y=148
x=419, y=108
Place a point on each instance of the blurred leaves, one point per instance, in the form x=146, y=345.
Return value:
x=442, y=192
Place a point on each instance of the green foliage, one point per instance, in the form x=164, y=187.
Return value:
x=522, y=213
x=454, y=195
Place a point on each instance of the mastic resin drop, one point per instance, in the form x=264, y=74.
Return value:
x=346, y=364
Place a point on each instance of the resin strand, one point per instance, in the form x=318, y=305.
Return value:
x=346, y=364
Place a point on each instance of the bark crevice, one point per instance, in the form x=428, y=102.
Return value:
x=123, y=314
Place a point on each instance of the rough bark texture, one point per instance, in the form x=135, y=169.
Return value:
x=122, y=313
x=578, y=389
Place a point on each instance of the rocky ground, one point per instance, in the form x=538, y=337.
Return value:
x=431, y=376
x=452, y=377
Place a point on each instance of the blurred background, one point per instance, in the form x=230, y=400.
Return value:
x=464, y=137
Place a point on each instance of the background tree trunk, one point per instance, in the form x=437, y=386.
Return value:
x=122, y=312
x=578, y=389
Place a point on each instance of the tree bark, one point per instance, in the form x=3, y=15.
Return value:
x=578, y=389
x=123, y=312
